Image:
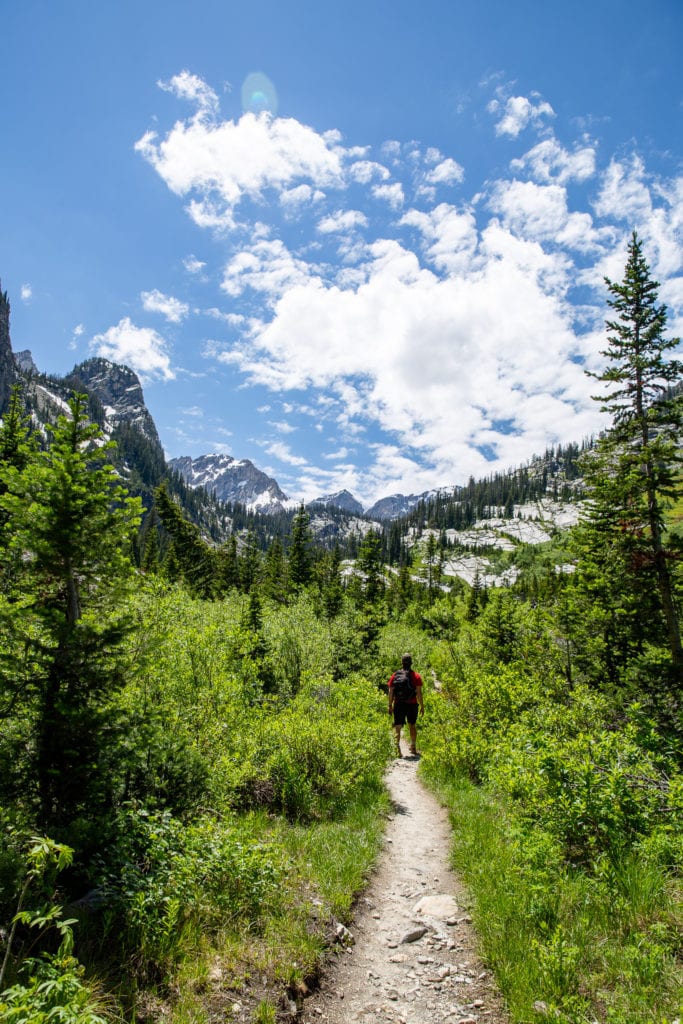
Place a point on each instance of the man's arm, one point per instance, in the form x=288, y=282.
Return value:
x=418, y=694
x=390, y=691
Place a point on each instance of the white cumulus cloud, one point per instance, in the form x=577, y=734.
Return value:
x=267, y=267
x=450, y=236
x=173, y=309
x=393, y=194
x=283, y=452
x=364, y=171
x=549, y=161
x=541, y=212
x=447, y=172
x=190, y=87
x=141, y=348
x=518, y=112
x=436, y=341
x=193, y=265
x=217, y=163
x=342, y=220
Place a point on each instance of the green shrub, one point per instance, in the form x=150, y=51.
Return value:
x=309, y=759
x=597, y=792
x=164, y=877
x=54, y=990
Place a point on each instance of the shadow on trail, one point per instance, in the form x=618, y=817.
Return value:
x=399, y=808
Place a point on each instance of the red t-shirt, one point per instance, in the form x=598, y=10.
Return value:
x=416, y=680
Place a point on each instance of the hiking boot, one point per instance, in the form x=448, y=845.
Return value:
x=413, y=750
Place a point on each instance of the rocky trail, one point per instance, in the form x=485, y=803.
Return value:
x=410, y=955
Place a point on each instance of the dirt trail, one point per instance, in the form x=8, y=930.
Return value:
x=413, y=959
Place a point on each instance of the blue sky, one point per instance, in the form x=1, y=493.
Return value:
x=361, y=244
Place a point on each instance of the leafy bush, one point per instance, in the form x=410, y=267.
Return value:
x=570, y=840
x=54, y=990
x=597, y=792
x=49, y=987
x=163, y=876
x=308, y=760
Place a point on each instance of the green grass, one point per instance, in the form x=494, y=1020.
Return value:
x=329, y=864
x=601, y=946
x=335, y=857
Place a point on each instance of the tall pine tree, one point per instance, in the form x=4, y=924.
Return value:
x=633, y=474
x=299, y=559
x=65, y=565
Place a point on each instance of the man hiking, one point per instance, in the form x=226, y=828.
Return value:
x=405, y=698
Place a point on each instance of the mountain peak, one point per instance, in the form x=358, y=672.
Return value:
x=232, y=480
x=8, y=367
x=395, y=505
x=341, y=499
x=119, y=390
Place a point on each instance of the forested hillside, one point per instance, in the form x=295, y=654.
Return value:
x=193, y=735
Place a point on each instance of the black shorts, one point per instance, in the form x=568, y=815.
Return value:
x=405, y=711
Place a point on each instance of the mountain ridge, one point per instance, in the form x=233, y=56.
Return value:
x=117, y=404
x=233, y=480
x=218, y=473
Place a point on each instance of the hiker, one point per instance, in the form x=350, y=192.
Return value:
x=405, y=699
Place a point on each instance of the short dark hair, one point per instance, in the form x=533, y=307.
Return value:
x=406, y=660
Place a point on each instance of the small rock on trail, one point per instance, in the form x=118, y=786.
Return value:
x=415, y=955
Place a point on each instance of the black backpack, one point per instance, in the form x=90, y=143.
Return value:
x=404, y=689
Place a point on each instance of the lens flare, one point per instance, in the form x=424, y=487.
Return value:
x=259, y=94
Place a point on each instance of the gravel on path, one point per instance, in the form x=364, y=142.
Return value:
x=410, y=955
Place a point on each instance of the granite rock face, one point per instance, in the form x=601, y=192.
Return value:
x=343, y=500
x=119, y=390
x=8, y=366
x=232, y=480
x=24, y=361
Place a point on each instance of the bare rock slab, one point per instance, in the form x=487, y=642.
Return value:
x=440, y=906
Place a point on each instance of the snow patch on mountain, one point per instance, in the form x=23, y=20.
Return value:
x=233, y=480
x=343, y=500
x=395, y=505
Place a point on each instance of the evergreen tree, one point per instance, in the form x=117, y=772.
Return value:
x=66, y=544
x=249, y=563
x=431, y=571
x=228, y=565
x=329, y=582
x=474, y=602
x=257, y=650
x=197, y=560
x=150, y=560
x=634, y=472
x=150, y=544
x=275, y=581
x=369, y=563
x=401, y=590
x=299, y=559
x=394, y=543
x=17, y=444
x=170, y=565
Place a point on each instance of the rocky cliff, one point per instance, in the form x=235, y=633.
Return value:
x=119, y=390
x=8, y=367
x=232, y=480
x=342, y=499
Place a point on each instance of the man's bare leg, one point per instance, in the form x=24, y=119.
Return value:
x=397, y=730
